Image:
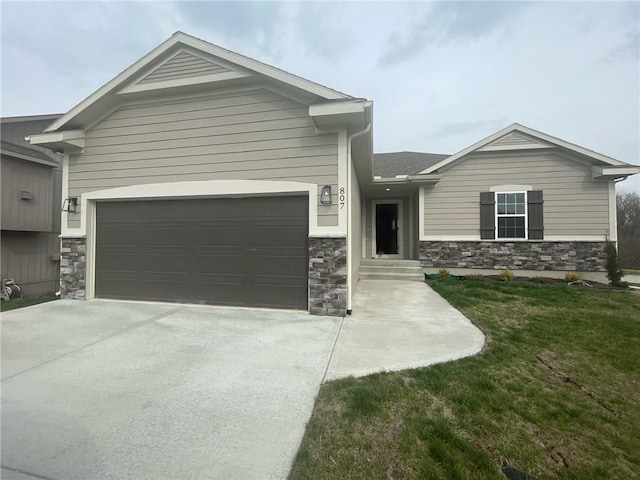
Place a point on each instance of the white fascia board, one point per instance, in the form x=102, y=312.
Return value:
x=407, y=179
x=188, y=40
x=336, y=108
x=112, y=84
x=528, y=131
x=70, y=140
x=259, y=67
x=468, y=150
x=614, y=172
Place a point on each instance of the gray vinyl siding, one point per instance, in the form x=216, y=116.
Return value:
x=43, y=182
x=183, y=65
x=574, y=205
x=26, y=257
x=244, y=135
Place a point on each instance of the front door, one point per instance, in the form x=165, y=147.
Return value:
x=387, y=233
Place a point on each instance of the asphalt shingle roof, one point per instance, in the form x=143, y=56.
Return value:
x=388, y=165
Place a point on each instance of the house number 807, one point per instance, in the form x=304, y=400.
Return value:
x=342, y=196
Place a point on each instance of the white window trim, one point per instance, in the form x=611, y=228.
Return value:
x=525, y=215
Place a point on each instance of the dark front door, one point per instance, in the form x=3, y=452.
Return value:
x=230, y=251
x=387, y=229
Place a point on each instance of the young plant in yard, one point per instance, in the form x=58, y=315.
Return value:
x=507, y=275
x=614, y=272
x=571, y=277
x=443, y=273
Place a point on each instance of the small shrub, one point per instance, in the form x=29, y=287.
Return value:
x=443, y=273
x=614, y=272
x=507, y=275
x=570, y=277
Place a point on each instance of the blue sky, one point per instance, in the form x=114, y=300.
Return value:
x=442, y=75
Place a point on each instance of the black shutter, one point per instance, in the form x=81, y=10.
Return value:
x=487, y=215
x=534, y=210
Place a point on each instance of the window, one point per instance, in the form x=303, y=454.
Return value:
x=511, y=215
x=512, y=212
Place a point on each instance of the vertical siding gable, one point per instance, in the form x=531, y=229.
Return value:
x=183, y=65
x=514, y=139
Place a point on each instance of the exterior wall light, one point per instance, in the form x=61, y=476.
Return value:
x=70, y=204
x=325, y=195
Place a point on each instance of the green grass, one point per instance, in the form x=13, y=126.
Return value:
x=555, y=393
x=7, y=305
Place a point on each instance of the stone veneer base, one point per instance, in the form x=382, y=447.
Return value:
x=73, y=267
x=328, y=276
x=527, y=255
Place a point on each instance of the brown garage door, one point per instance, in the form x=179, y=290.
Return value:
x=230, y=251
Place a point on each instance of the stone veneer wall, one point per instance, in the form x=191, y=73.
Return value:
x=538, y=255
x=328, y=276
x=73, y=267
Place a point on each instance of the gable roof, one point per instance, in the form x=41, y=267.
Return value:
x=387, y=165
x=170, y=49
x=530, y=132
x=13, y=143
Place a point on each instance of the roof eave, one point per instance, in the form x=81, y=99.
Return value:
x=69, y=141
x=613, y=172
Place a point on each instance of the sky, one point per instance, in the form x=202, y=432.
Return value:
x=441, y=75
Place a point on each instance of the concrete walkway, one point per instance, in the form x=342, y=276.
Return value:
x=398, y=325
x=157, y=391
x=632, y=278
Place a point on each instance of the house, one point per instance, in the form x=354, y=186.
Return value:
x=31, y=199
x=200, y=175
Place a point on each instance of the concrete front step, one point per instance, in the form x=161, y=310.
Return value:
x=390, y=269
x=389, y=262
x=392, y=276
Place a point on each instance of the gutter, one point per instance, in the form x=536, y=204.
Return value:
x=349, y=233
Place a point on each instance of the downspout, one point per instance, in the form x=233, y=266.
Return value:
x=349, y=234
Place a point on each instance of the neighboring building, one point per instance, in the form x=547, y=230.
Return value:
x=31, y=200
x=204, y=176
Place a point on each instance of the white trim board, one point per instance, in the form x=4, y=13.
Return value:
x=203, y=189
x=529, y=131
x=207, y=189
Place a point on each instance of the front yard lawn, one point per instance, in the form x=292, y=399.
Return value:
x=555, y=394
x=7, y=305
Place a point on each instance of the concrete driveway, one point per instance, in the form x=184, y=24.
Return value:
x=119, y=390
x=94, y=390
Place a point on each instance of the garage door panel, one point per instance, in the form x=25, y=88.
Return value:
x=247, y=251
x=268, y=296
x=279, y=265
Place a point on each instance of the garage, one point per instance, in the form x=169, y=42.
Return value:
x=250, y=252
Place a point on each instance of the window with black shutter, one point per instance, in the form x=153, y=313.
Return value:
x=511, y=215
